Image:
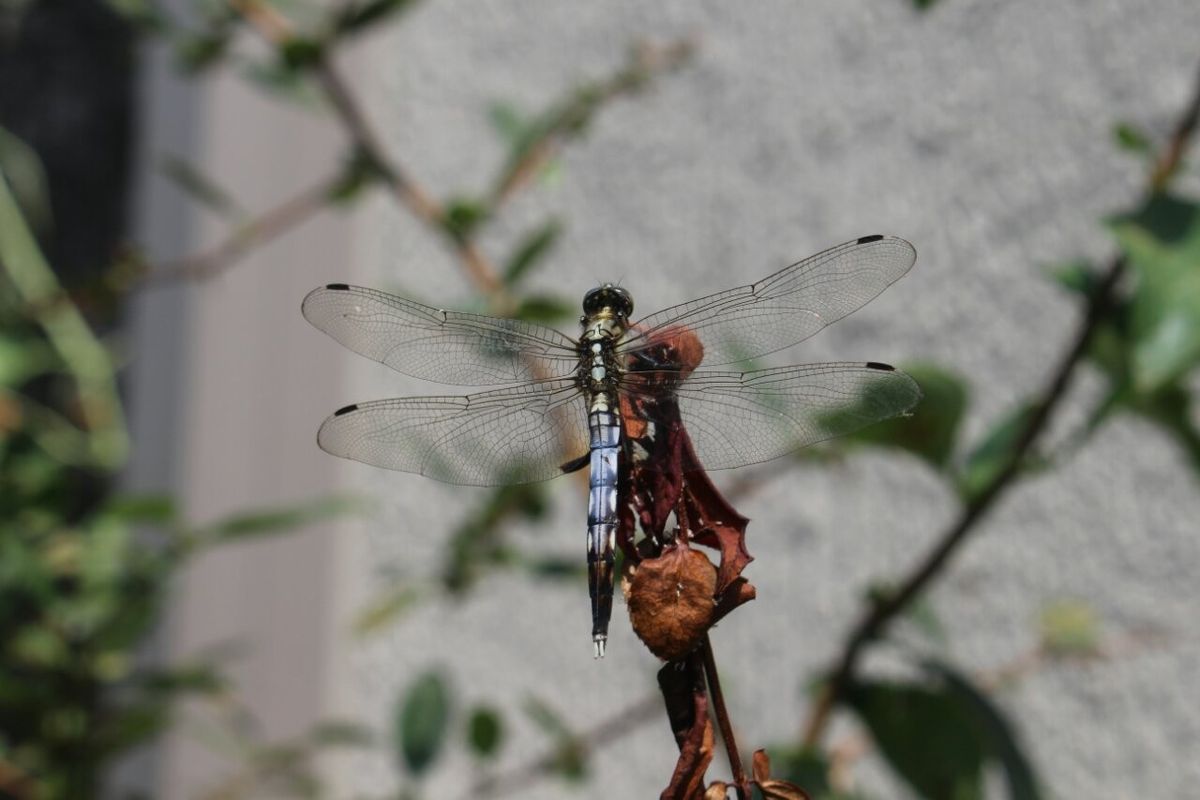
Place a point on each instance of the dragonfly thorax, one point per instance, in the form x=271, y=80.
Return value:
x=603, y=325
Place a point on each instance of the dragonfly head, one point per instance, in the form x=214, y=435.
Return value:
x=608, y=296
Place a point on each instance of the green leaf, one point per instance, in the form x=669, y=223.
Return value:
x=422, y=720
x=926, y=736
x=301, y=53
x=1130, y=138
x=531, y=250
x=569, y=757
x=341, y=734
x=1171, y=409
x=1069, y=628
x=1079, y=276
x=462, y=217
x=358, y=172
x=142, y=13
x=19, y=163
x=266, y=523
x=387, y=609
x=930, y=431
x=510, y=124
x=544, y=309
x=147, y=508
x=199, y=187
x=355, y=17
x=985, y=462
x=992, y=728
x=485, y=732
x=194, y=54
x=24, y=357
x=920, y=612
x=808, y=769
x=285, y=83
x=1162, y=241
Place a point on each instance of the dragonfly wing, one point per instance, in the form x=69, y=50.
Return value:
x=505, y=436
x=436, y=345
x=739, y=418
x=785, y=308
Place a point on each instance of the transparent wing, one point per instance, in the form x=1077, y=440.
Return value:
x=504, y=436
x=786, y=307
x=443, y=346
x=739, y=418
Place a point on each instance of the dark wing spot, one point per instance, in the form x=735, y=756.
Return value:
x=338, y=287
x=866, y=239
x=346, y=410
x=877, y=365
x=576, y=464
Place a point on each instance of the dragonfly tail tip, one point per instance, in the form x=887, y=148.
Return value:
x=598, y=643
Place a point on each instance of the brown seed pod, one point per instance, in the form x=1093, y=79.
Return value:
x=670, y=601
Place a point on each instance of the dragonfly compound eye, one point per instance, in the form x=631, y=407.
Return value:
x=608, y=296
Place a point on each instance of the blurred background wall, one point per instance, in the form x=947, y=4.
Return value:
x=979, y=131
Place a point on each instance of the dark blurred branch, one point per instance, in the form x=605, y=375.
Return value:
x=607, y=731
x=876, y=620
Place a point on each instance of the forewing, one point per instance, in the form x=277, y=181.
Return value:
x=739, y=418
x=785, y=308
x=436, y=345
x=504, y=436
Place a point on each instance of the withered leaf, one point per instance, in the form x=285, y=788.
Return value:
x=682, y=686
x=771, y=788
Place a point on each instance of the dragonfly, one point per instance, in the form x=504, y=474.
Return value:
x=558, y=400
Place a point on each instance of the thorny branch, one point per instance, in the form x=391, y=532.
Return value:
x=881, y=614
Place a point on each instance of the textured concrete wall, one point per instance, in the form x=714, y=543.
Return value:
x=978, y=131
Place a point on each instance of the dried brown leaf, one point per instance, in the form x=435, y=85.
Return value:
x=682, y=685
x=771, y=788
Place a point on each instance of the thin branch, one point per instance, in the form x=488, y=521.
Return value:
x=520, y=778
x=260, y=230
x=722, y=714
x=277, y=30
x=880, y=615
x=573, y=113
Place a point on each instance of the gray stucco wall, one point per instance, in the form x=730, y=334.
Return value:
x=980, y=132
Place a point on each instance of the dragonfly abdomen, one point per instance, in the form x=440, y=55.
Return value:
x=605, y=426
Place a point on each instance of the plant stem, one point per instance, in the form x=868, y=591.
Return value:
x=723, y=723
x=874, y=622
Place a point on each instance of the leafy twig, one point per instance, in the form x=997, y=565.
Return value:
x=882, y=613
x=546, y=136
